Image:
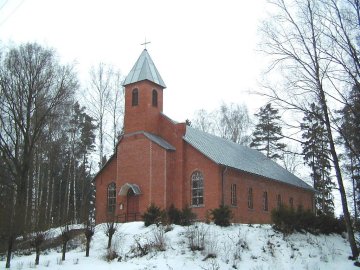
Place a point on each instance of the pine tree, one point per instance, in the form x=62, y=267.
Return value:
x=87, y=146
x=350, y=129
x=267, y=134
x=317, y=156
x=82, y=138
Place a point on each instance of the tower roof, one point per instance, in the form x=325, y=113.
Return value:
x=144, y=69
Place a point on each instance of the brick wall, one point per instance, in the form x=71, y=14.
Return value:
x=143, y=162
x=213, y=175
x=212, y=184
x=173, y=133
x=144, y=116
x=102, y=180
x=244, y=181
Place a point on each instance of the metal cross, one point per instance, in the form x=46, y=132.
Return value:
x=146, y=42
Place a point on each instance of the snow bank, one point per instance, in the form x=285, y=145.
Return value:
x=253, y=247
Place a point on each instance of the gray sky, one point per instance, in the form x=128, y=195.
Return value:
x=204, y=49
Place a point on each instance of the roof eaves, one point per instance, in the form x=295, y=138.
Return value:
x=154, y=138
x=159, y=141
x=308, y=187
x=105, y=165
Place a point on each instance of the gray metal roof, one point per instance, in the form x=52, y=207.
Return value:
x=240, y=157
x=160, y=141
x=154, y=138
x=144, y=69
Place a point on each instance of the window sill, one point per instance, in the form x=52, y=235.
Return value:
x=197, y=206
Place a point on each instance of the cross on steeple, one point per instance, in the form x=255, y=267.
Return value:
x=146, y=42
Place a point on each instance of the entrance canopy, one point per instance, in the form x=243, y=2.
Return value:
x=125, y=188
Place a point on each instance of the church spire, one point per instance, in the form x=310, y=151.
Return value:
x=144, y=69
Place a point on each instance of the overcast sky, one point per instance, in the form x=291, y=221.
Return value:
x=205, y=51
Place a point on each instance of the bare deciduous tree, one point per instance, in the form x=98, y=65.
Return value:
x=234, y=123
x=99, y=95
x=65, y=238
x=89, y=232
x=116, y=107
x=230, y=121
x=33, y=84
x=297, y=40
x=38, y=240
x=203, y=121
x=105, y=96
x=110, y=228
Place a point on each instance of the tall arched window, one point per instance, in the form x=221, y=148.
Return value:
x=250, y=199
x=154, y=98
x=278, y=201
x=233, y=195
x=111, y=198
x=291, y=202
x=197, y=189
x=135, y=97
x=265, y=201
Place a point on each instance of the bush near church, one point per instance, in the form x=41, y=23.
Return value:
x=187, y=216
x=155, y=215
x=288, y=220
x=222, y=215
x=174, y=215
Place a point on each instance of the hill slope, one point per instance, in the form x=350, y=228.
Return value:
x=256, y=247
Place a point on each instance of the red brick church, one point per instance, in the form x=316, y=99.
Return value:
x=160, y=161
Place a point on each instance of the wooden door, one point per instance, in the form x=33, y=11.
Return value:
x=132, y=206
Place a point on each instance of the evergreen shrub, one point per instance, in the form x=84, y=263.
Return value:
x=187, y=216
x=222, y=215
x=174, y=215
x=288, y=220
x=153, y=215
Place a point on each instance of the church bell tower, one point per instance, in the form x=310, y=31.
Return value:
x=143, y=96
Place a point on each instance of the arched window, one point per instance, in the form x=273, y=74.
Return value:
x=265, y=201
x=291, y=202
x=135, y=97
x=278, y=201
x=233, y=195
x=154, y=98
x=197, y=189
x=111, y=198
x=250, y=199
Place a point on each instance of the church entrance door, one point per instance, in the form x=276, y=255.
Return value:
x=132, y=206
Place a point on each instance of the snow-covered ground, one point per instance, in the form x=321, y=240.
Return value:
x=255, y=247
